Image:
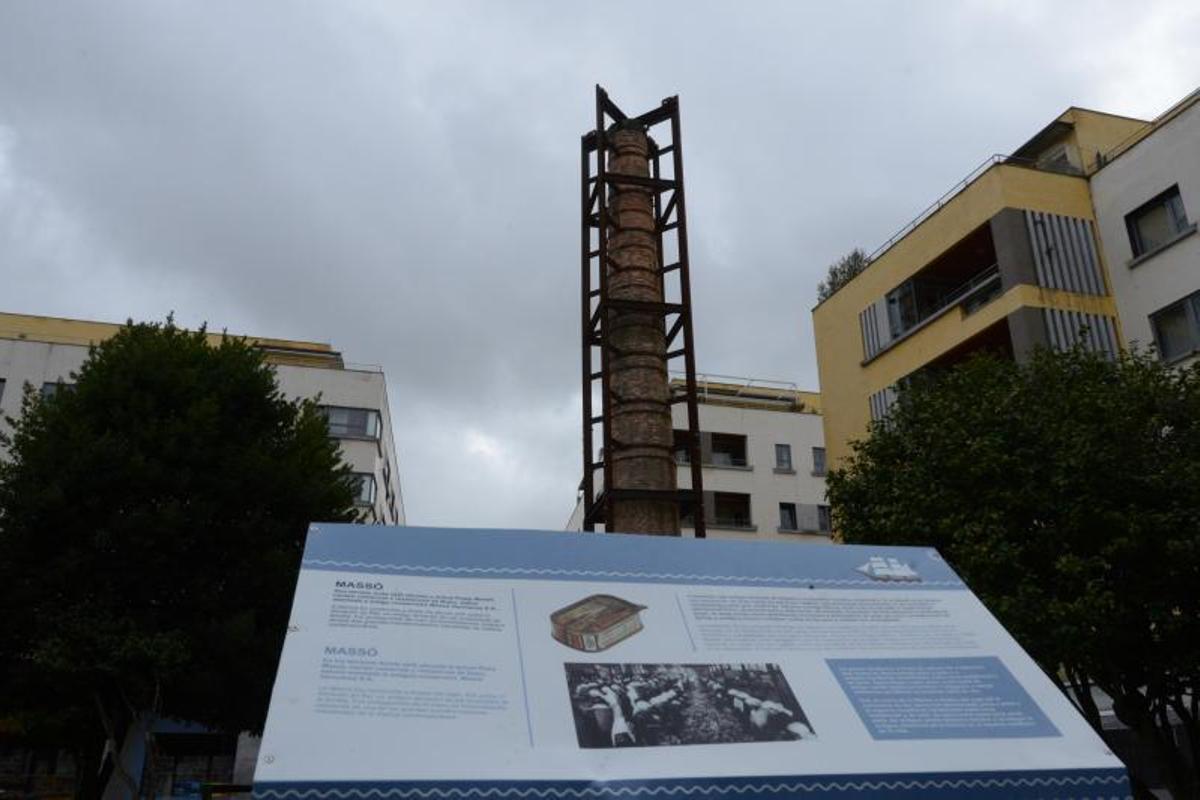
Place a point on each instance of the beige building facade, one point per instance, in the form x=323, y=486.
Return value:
x=763, y=458
x=43, y=352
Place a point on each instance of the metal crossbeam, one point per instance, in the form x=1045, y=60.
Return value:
x=671, y=220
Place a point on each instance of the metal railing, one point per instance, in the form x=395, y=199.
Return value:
x=356, y=367
x=956, y=296
x=961, y=292
x=958, y=188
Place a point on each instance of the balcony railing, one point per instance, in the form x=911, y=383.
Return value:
x=958, y=188
x=975, y=289
x=980, y=289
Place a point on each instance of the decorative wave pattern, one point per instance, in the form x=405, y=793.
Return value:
x=518, y=572
x=1098, y=787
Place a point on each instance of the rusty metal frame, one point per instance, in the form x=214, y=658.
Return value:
x=671, y=214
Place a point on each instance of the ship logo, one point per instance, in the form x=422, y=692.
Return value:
x=885, y=568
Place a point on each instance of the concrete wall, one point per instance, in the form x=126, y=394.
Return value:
x=1169, y=155
x=354, y=388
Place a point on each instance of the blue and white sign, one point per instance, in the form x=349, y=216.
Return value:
x=443, y=664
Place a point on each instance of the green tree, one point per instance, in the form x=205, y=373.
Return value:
x=841, y=272
x=152, y=519
x=1066, y=492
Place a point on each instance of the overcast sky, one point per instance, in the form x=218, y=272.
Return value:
x=401, y=179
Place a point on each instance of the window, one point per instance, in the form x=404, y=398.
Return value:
x=1177, y=329
x=1056, y=159
x=913, y=301
x=680, y=444
x=731, y=510
x=783, y=457
x=818, y=461
x=364, y=493
x=51, y=388
x=728, y=450
x=824, y=520
x=359, y=423
x=787, y=517
x=1157, y=222
x=1, y=388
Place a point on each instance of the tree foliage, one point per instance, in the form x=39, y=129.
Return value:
x=841, y=272
x=1066, y=492
x=152, y=518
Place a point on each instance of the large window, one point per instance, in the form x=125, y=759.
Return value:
x=1157, y=222
x=783, y=457
x=364, y=493
x=1177, y=329
x=913, y=301
x=728, y=450
x=731, y=510
x=354, y=423
x=787, y=517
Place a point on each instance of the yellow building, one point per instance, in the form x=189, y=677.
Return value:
x=1006, y=261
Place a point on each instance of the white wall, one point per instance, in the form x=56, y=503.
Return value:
x=1168, y=156
x=763, y=429
x=354, y=388
x=767, y=488
x=35, y=363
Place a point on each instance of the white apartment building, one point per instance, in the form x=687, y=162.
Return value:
x=1147, y=198
x=44, y=351
x=763, y=454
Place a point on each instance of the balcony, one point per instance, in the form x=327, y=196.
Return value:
x=917, y=302
x=955, y=279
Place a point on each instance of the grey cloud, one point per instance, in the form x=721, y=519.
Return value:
x=401, y=179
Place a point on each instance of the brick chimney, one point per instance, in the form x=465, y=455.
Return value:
x=642, y=456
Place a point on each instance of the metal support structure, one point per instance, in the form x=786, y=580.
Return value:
x=596, y=307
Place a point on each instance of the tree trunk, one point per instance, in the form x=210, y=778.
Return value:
x=130, y=760
x=1152, y=733
x=1191, y=728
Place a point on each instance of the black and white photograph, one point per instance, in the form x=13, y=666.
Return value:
x=652, y=705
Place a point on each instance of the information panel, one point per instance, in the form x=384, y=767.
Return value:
x=435, y=663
